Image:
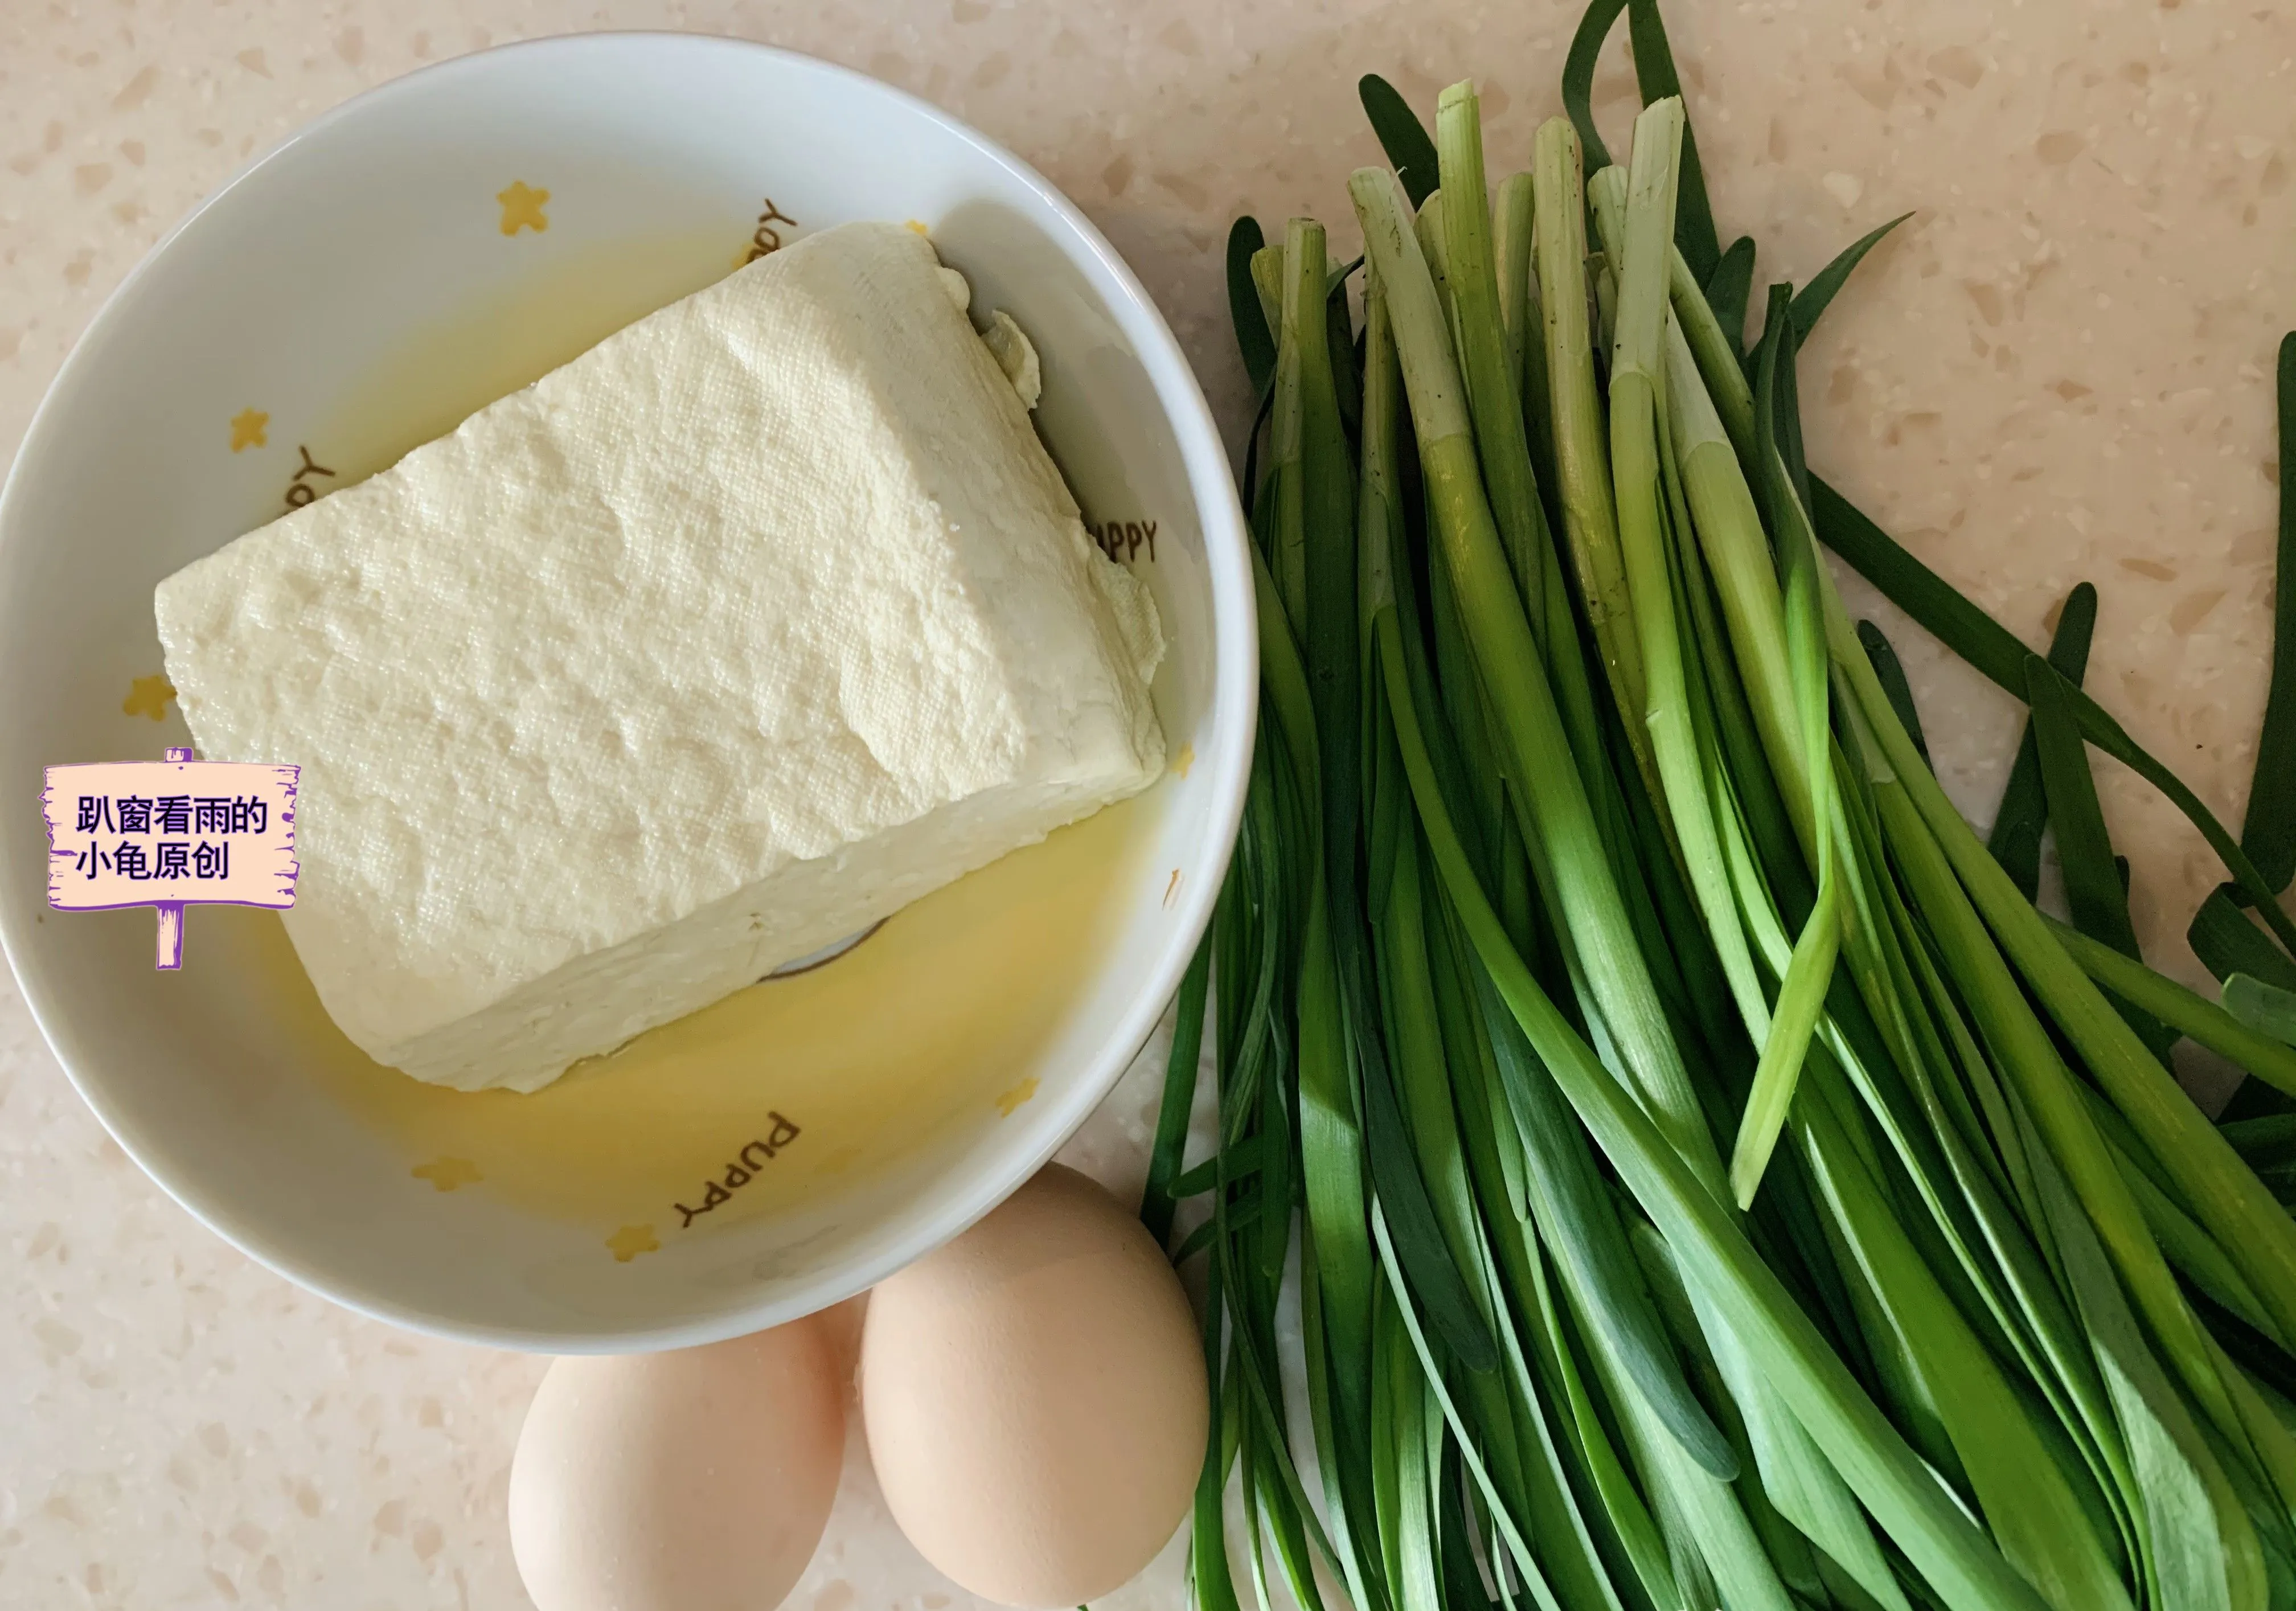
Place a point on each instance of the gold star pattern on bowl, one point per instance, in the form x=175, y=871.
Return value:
x=521, y=207
x=1009, y=1102
x=148, y=697
x=630, y=1241
x=247, y=429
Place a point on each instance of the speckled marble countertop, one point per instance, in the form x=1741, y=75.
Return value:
x=2059, y=370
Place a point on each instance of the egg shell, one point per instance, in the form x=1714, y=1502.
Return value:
x=694, y=1480
x=1034, y=1395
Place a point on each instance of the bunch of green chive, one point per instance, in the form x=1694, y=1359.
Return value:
x=1697, y=1173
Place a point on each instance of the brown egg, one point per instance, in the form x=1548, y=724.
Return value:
x=696, y=1480
x=1035, y=1399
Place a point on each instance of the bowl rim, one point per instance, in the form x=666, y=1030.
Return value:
x=1234, y=715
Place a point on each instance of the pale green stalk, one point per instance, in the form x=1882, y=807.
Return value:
x=1379, y=518
x=1268, y=279
x=1435, y=247
x=1560, y=821
x=1746, y=575
x=1492, y=372
x=1801, y=993
x=1717, y=355
x=1776, y=637
x=1287, y=442
x=1549, y=607
x=1454, y=235
x=1635, y=212
x=1514, y=227
x=1511, y=246
x=1800, y=1005
x=1713, y=431
x=1637, y=393
x=1737, y=554
x=1581, y=452
x=1606, y=198
x=1379, y=507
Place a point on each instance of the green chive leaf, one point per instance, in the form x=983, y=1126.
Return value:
x=2266, y=1008
x=1891, y=671
x=1156, y=1199
x=2268, y=832
x=1728, y=289
x=1578, y=76
x=1410, y=148
x=2015, y=840
x=1818, y=295
x=1654, y=76
x=1252, y=339
x=2094, y=891
x=1994, y=650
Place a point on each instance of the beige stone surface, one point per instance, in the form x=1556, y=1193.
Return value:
x=2059, y=370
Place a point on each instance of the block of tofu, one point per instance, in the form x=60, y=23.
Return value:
x=755, y=622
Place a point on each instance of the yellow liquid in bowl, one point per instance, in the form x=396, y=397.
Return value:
x=933, y=1023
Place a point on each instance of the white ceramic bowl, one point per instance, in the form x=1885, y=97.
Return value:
x=325, y=288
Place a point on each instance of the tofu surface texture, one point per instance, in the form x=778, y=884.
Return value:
x=755, y=622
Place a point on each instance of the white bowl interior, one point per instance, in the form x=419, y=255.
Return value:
x=356, y=287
